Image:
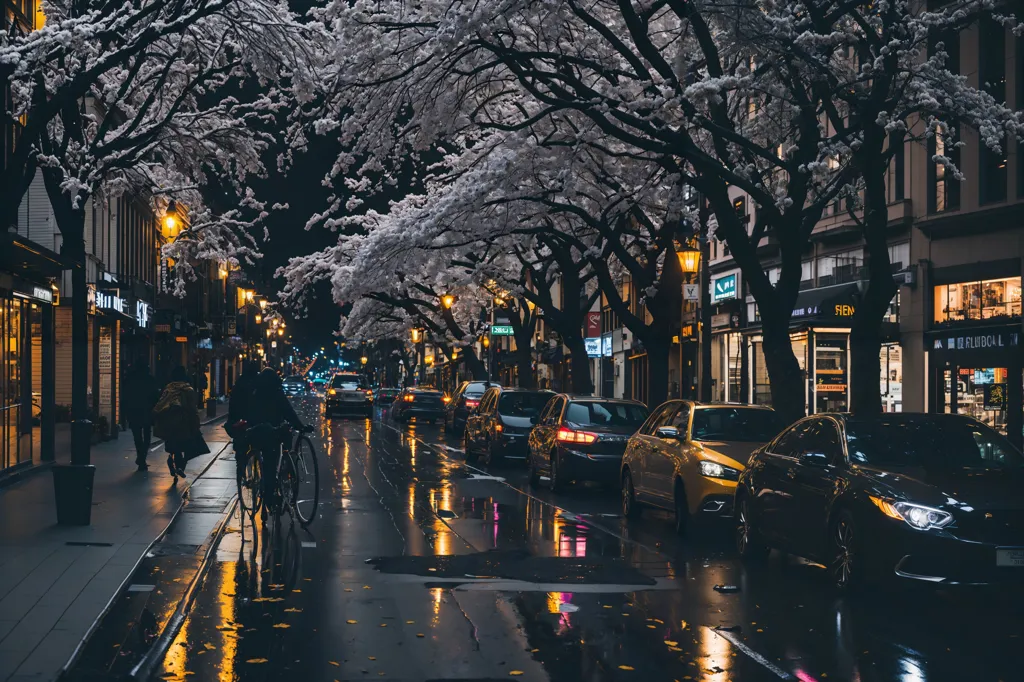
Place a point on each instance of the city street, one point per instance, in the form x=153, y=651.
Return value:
x=422, y=568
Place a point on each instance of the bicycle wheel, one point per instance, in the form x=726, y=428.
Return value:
x=287, y=482
x=249, y=483
x=307, y=472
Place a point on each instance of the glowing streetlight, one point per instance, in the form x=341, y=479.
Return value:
x=249, y=293
x=269, y=333
x=259, y=318
x=263, y=304
x=280, y=331
x=689, y=259
x=486, y=341
x=364, y=359
x=416, y=335
x=172, y=221
x=448, y=301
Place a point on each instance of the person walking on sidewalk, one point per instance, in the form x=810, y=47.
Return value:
x=176, y=420
x=138, y=398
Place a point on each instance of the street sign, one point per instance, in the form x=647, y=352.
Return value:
x=593, y=346
x=723, y=288
x=691, y=292
x=502, y=330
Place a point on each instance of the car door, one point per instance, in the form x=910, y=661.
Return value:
x=661, y=463
x=773, y=487
x=815, y=480
x=472, y=432
x=533, y=440
x=548, y=433
x=640, y=449
x=485, y=416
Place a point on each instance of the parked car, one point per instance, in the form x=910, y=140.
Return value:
x=582, y=438
x=932, y=497
x=386, y=396
x=687, y=457
x=417, y=403
x=295, y=385
x=465, y=399
x=500, y=426
x=347, y=394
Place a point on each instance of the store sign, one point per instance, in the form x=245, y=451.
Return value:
x=994, y=340
x=843, y=310
x=593, y=346
x=111, y=301
x=995, y=397
x=593, y=324
x=181, y=339
x=502, y=330
x=606, y=346
x=142, y=313
x=162, y=328
x=723, y=288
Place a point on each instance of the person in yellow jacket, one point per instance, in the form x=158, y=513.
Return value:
x=176, y=420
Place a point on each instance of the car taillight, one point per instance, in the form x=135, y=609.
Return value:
x=408, y=398
x=499, y=428
x=569, y=436
x=332, y=392
x=472, y=403
x=446, y=399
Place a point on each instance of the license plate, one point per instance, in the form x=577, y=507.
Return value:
x=1010, y=556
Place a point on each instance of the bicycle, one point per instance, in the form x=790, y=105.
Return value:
x=248, y=477
x=298, y=477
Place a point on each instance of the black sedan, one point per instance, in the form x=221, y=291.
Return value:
x=930, y=497
x=386, y=396
x=582, y=438
x=420, y=404
x=465, y=399
x=500, y=426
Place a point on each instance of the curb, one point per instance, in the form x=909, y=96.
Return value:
x=144, y=668
x=128, y=579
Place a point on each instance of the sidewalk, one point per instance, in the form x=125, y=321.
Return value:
x=55, y=581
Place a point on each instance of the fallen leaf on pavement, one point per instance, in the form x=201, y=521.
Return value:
x=296, y=591
x=335, y=663
x=383, y=625
x=420, y=634
x=515, y=673
x=293, y=610
x=372, y=658
x=625, y=667
x=282, y=626
x=257, y=660
x=351, y=622
x=409, y=622
x=671, y=643
x=367, y=587
x=653, y=627
x=208, y=646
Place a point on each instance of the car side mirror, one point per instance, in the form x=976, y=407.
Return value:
x=814, y=459
x=669, y=433
x=533, y=420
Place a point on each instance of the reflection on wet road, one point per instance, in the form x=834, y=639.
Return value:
x=422, y=568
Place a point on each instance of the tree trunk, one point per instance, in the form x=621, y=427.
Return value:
x=81, y=428
x=475, y=366
x=787, y=381
x=657, y=372
x=582, y=384
x=524, y=366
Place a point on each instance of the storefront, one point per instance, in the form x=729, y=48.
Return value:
x=820, y=338
x=973, y=350
x=729, y=376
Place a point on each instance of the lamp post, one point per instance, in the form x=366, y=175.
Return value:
x=690, y=260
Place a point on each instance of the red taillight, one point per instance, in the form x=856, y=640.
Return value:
x=408, y=398
x=569, y=436
x=499, y=428
x=472, y=403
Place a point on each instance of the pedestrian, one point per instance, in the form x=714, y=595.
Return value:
x=138, y=398
x=176, y=420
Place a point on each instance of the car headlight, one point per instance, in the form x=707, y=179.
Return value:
x=716, y=470
x=917, y=516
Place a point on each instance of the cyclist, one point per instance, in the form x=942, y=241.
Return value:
x=268, y=408
x=238, y=411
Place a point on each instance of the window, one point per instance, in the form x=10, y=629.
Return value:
x=985, y=300
x=751, y=425
x=992, y=75
x=522, y=404
x=823, y=439
x=556, y=411
x=790, y=443
x=681, y=419
x=488, y=401
x=595, y=413
x=943, y=188
x=657, y=418
x=944, y=441
x=899, y=256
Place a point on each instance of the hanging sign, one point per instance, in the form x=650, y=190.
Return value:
x=593, y=346
x=723, y=288
x=502, y=330
x=691, y=292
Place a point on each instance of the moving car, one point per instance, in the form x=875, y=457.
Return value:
x=294, y=385
x=688, y=457
x=319, y=385
x=582, y=438
x=465, y=399
x=932, y=497
x=500, y=426
x=419, y=404
x=347, y=394
x=386, y=396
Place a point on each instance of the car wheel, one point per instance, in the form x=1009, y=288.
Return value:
x=630, y=508
x=681, y=509
x=555, y=480
x=531, y=470
x=470, y=457
x=748, y=539
x=847, y=564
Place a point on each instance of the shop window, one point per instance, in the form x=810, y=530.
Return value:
x=830, y=373
x=734, y=344
x=891, y=379
x=993, y=299
x=978, y=392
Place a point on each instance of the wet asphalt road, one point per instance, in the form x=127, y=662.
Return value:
x=477, y=576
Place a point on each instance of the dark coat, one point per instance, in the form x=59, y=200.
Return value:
x=139, y=396
x=240, y=401
x=269, y=404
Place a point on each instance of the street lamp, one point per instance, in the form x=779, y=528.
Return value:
x=415, y=335
x=486, y=341
x=172, y=221
x=259, y=319
x=263, y=304
x=689, y=259
x=269, y=333
x=364, y=359
x=448, y=301
x=280, y=331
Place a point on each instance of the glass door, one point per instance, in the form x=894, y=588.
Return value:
x=11, y=336
x=830, y=371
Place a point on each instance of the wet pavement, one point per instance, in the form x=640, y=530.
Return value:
x=420, y=567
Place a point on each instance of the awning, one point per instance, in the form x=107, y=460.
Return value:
x=28, y=259
x=836, y=302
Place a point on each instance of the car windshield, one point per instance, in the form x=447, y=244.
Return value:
x=595, y=413
x=522, y=404
x=929, y=441
x=346, y=383
x=475, y=391
x=735, y=424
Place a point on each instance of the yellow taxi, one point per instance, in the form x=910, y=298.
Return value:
x=687, y=457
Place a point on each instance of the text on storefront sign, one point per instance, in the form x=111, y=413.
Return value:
x=844, y=310
x=105, y=301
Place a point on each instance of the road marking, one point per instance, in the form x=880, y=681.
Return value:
x=141, y=588
x=153, y=448
x=758, y=658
